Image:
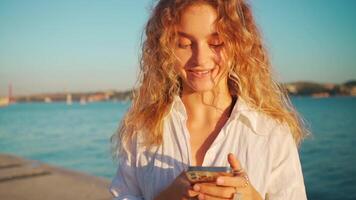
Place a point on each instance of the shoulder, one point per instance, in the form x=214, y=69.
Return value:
x=275, y=131
x=260, y=123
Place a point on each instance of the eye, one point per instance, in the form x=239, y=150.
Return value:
x=216, y=43
x=184, y=45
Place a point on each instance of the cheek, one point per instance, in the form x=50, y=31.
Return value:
x=178, y=66
x=221, y=59
x=182, y=60
x=178, y=69
x=183, y=57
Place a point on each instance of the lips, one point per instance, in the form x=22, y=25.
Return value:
x=200, y=73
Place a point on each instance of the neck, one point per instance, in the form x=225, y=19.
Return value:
x=209, y=105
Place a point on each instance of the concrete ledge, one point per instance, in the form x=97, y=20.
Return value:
x=25, y=179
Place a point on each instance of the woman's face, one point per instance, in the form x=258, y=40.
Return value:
x=199, y=49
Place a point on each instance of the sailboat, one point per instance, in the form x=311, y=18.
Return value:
x=83, y=101
x=69, y=99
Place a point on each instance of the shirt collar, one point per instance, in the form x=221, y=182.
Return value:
x=260, y=123
x=241, y=111
x=179, y=107
x=245, y=113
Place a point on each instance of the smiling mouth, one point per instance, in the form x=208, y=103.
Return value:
x=200, y=73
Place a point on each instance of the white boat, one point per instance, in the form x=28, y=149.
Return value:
x=83, y=101
x=69, y=99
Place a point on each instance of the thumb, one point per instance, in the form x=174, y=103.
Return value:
x=234, y=163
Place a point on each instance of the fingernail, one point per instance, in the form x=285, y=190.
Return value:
x=196, y=188
x=201, y=197
x=219, y=181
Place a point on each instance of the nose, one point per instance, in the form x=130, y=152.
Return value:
x=202, y=55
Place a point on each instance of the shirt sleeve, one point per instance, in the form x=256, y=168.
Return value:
x=125, y=185
x=286, y=178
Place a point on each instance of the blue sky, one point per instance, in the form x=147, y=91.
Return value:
x=89, y=45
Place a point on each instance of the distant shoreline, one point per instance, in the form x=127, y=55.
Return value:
x=296, y=89
x=319, y=90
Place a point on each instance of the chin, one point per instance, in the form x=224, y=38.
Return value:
x=199, y=87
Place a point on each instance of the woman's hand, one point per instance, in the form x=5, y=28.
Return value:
x=227, y=187
x=180, y=189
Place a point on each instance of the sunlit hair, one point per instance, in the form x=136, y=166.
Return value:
x=249, y=71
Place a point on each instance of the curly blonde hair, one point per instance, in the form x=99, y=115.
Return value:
x=249, y=74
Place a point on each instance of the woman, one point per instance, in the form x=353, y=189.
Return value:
x=206, y=98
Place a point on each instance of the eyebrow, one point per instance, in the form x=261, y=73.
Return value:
x=191, y=37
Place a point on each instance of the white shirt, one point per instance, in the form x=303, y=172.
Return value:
x=265, y=149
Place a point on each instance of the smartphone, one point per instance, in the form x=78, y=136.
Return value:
x=207, y=174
